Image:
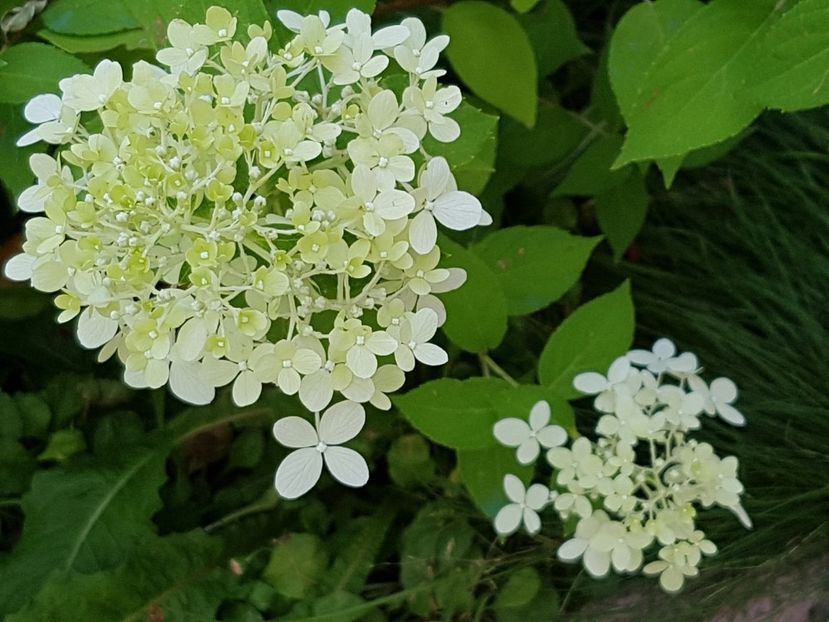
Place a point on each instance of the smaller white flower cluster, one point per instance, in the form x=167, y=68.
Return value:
x=636, y=488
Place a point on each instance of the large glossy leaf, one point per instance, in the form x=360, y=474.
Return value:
x=455, y=413
x=688, y=88
x=535, y=265
x=34, y=68
x=476, y=314
x=492, y=55
x=87, y=17
x=588, y=340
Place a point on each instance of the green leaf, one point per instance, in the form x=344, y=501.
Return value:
x=87, y=17
x=177, y=579
x=536, y=265
x=519, y=590
x=588, y=340
x=86, y=44
x=492, y=55
x=84, y=518
x=621, y=212
x=476, y=314
x=551, y=30
x=410, y=463
x=791, y=71
x=63, y=445
x=362, y=539
x=11, y=423
x=522, y=6
x=454, y=413
x=555, y=136
x=16, y=177
x=297, y=564
x=472, y=156
x=591, y=173
x=16, y=467
x=19, y=301
x=482, y=472
x=691, y=93
x=34, y=68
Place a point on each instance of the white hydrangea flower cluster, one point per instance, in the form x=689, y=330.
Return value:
x=251, y=217
x=638, y=486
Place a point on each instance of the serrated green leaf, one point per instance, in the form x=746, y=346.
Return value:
x=621, y=212
x=591, y=173
x=90, y=44
x=690, y=94
x=588, y=340
x=177, y=579
x=82, y=518
x=63, y=444
x=87, y=17
x=35, y=68
x=455, y=413
x=536, y=265
x=476, y=314
x=552, y=32
x=791, y=71
x=503, y=74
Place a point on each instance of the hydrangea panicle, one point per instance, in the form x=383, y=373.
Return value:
x=637, y=487
x=238, y=216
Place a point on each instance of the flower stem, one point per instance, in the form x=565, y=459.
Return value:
x=488, y=363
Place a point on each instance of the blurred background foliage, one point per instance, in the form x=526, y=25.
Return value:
x=613, y=144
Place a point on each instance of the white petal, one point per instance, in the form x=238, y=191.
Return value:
x=135, y=379
x=671, y=579
x=187, y=384
x=361, y=361
x=246, y=389
x=191, y=338
x=157, y=373
x=94, y=330
x=346, y=465
x=390, y=36
x=537, y=496
x=685, y=363
x=316, y=390
x=596, y=563
x=511, y=432
x=572, y=549
x=618, y=371
x=298, y=473
x=43, y=108
x=532, y=522
x=290, y=19
x=446, y=131
x=19, y=267
x=723, y=390
x=590, y=382
x=508, y=519
x=514, y=488
x=218, y=372
x=423, y=234
x=731, y=414
x=457, y=277
x=664, y=348
x=458, y=210
x=552, y=436
x=642, y=358
x=430, y=354
x=528, y=451
x=540, y=415
x=295, y=432
x=342, y=422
